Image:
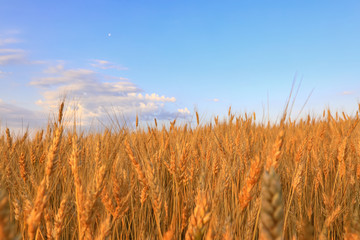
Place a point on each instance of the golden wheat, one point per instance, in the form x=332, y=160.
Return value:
x=272, y=210
x=235, y=179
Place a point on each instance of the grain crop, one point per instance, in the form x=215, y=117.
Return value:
x=230, y=178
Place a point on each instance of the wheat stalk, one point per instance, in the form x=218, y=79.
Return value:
x=33, y=220
x=7, y=228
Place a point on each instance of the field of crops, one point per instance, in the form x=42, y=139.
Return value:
x=228, y=179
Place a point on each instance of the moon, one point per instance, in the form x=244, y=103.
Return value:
x=109, y=34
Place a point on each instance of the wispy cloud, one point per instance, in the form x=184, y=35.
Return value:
x=9, y=55
x=6, y=41
x=60, y=76
x=17, y=117
x=347, y=93
x=103, y=64
x=3, y=74
x=12, y=56
x=215, y=99
x=10, y=32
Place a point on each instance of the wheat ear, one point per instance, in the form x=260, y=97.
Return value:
x=200, y=218
x=272, y=211
x=250, y=182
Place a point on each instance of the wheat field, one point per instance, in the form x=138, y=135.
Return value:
x=228, y=179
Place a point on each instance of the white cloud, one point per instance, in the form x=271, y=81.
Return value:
x=93, y=94
x=103, y=64
x=215, y=100
x=156, y=97
x=96, y=98
x=184, y=111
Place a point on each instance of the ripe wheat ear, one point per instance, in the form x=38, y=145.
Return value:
x=272, y=211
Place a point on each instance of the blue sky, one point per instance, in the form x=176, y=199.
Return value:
x=166, y=58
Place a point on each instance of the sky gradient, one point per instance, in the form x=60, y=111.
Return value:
x=165, y=59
